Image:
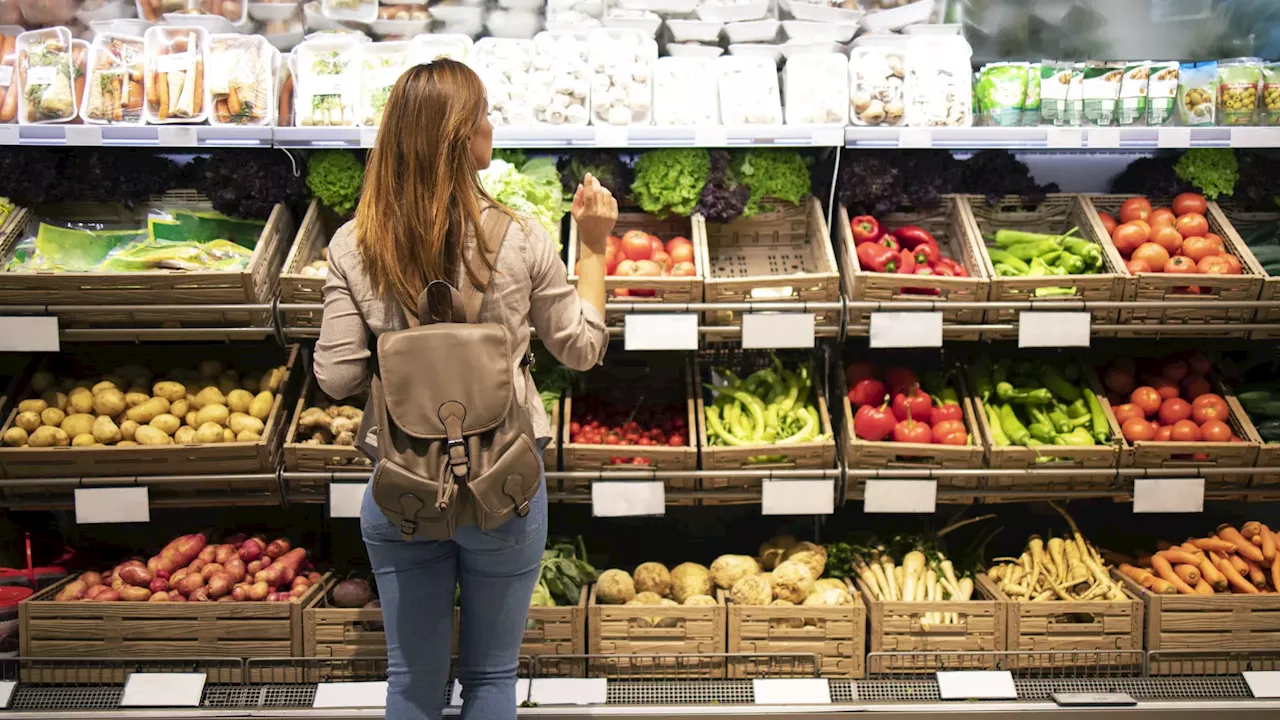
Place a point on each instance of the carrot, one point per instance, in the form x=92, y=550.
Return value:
x=117, y=106
x=1165, y=570
x=1238, y=583
x=1188, y=547
x=1268, y=544
x=1249, y=529
x=1210, y=574
x=1213, y=543
x=1203, y=588
x=199, y=90
x=1179, y=556
x=233, y=101
x=1239, y=564
x=1147, y=580
x=1144, y=561
x=285, y=110
x=220, y=110
x=1244, y=547
x=79, y=63
x=1256, y=576
x=136, y=94
x=1189, y=574
x=162, y=95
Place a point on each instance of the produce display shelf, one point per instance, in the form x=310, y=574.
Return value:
x=1061, y=138
x=590, y=136
x=175, y=136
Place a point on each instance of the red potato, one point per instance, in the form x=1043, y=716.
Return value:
x=284, y=569
x=220, y=585
x=163, y=574
x=107, y=596
x=136, y=575
x=240, y=593
x=278, y=547
x=259, y=591
x=135, y=594
x=158, y=585
x=224, y=553
x=210, y=570
x=253, y=549
x=191, y=583
x=176, y=578
x=253, y=567
x=299, y=590
x=187, y=548
x=314, y=577
x=197, y=565
x=208, y=553
x=175, y=596
x=301, y=580
x=73, y=591
x=160, y=597
x=225, y=598
x=91, y=578
x=200, y=594
x=235, y=568
x=275, y=597
x=117, y=583
x=93, y=592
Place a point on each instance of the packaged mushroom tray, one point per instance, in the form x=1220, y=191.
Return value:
x=748, y=90
x=175, y=74
x=817, y=89
x=360, y=11
x=877, y=80
x=939, y=90
x=241, y=79
x=115, y=82
x=328, y=82
x=543, y=81
x=621, y=64
x=381, y=64
x=45, y=71
x=684, y=92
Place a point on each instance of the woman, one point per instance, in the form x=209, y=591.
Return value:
x=416, y=223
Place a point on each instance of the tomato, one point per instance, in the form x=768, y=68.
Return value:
x=1215, y=431
x=1108, y=222
x=614, y=242
x=1216, y=239
x=611, y=259
x=636, y=245
x=1166, y=387
x=1135, y=209
x=1137, y=266
x=1128, y=237
x=1185, y=431
x=1233, y=263
x=945, y=428
x=1174, y=409
x=1214, y=265
x=680, y=249
x=1168, y=238
x=1194, y=386
x=1190, y=203
x=1209, y=407
x=1163, y=433
x=1198, y=248
x=1199, y=363
x=1135, y=429
x=955, y=438
x=647, y=268
x=1146, y=226
x=662, y=258
x=655, y=245
x=625, y=267
x=1147, y=399
x=1161, y=217
x=1180, y=264
x=683, y=269
x=1175, y=370
x=1127, y=410
x=1118, y=380
x=1152, y=254
x=1192, y=224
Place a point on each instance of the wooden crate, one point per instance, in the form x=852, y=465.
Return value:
x=897, y=627
x=1056, y=214
x=627, y=630
x=220, y=459
x=1152, y=454
x=953, y=226
x=836, y=634
x=1237, y=224
x=781, y=256
x=1268, y=454
x=1044, y=629
x=300, y=457
x=665, y=289
x=1165, y=287
x=1226, y=622
x=314, y=233
x=256, y=284
x=83, y=629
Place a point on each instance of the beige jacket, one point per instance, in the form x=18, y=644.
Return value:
x=528, y=287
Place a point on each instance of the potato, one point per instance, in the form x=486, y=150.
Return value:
x=106, y=431
x=44, y=436
x=80, y=402
x=78, y=424
x=209, y=396
x=261, y=405
x=109, y=402
x=55, y=399
x=208, y=433
x=147, y=435
x=226, y=384
x=166, y=423
x=35, y=406
x=190, y=418
x=272, y=380
x=15, y=437
x=148, y=410
x=134, y=399
x=240, y=422
x=213, y=413
x=104, y=385
x=227, y=435
x=211, y=368
x=169, y=390
x=127, y=429
x=126, y=443
x=82, y=440
x=247, y=436
x=180, y=408
x=52, y=416
x=238, y=401
x=135, y=594
x=42, y=381
x=28, y=421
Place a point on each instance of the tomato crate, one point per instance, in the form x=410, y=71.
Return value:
x=300, y=281
x=779, y=256
x=1166, y=287
x=1243, y=226
x=1055, y=633
x=953, y=226
x=654, y=289
x=1056, y=214
x=837, y=634
x=256, y=284
x=666, y=633
x=1155, y=454
x=302, y=456
x=819, y=454
x=80, y=629
x=900, y=626
x=669, y=382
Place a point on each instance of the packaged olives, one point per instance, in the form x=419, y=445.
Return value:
x=1132, y=107
x=1100, y=92
x=1271, y=94
x=1197, y=86
x=1162, y=92
x=1055, y=82
x=1238, y=81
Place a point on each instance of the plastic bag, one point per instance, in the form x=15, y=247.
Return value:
x=327, y=82
x=47, y=91
x=1197, y=87
x=115, y=81
x=381, y=65
x=1238, y=82
x=175, y=74
x=241, y=80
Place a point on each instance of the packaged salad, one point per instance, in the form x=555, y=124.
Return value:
x=1075, y=95
x=47, y=91
x=1270, y=94
x=1100, y=91
x=241, y=79
x=1238, y=82
x=1162, y=92
x=175, y=74
x=1132, y=106
x=1197, y=86
x=1055, y=86
x=1001, y=91
x=381, y=65
x=328, y=82
x=117, y=65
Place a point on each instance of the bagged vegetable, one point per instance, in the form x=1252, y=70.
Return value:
x=8, y=73
x=175, y=74
x=1132, y=106
x=1270, y=94
x=1238, y=81
x=47, y=93
x=1001, y=90
x=1162, y=92
x=241, y=79
x=1197, y=86
x=1055, y=85
x=1031, y=105
x=940, y=84
x=328, y=82
x=115, y=80
x=381, y=65
x=748, y=90
x=1101, y=92
x=877, y=80
x=1075, y=95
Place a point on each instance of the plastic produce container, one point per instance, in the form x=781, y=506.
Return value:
x=622, y=77
x=543, y=81
x=362, y=11
x=327, y=82
x=685, y=92
x=695, y=30
x=241, y=80
x=770, y=52
x=817, y=89
x=877, y=80
x=821, y=11
x=45, y=88
x=381, y=65
x=751, y=31
x=728, y=11
x=694, y=50
x=176, y=64
x=898, y=18
x=939, y=81
x=114, y=96
x=748, y=91
x=426, y=48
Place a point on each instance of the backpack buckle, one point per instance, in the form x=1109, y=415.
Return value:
x=523, y=509
x=408, y=527
x=458, y=460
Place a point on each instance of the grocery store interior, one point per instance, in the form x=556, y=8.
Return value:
x=1039, y=476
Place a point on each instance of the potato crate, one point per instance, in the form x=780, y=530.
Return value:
x=300, y=456
x=1240, y=226
x=1165, y=287
x=836, y=634
x=86, y=629
x=1230, y=623
x=1042, y=630
x=314, y=233
x=222, y=460
x=779, y=256
x=673, y=637
x=256, y=284
x=899, y=626
x=1057, y=214
x=954, y=228
x=670, y=289
x=819, y=454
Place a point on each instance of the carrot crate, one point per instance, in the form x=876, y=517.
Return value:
x=836, y=634
x=952, y=226
x=1247, y=231
x=915, y=630
x=651, y=288
x=1053, y=633
x=672, y=637
x=1159, y=287
x=1056, y=215
x=780, y=256
x=307, y=265
x=303, y=454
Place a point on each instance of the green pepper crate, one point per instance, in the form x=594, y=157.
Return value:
x=1242, y=227
x=1268, y=452
x=1175, y=287
x=953, y=226
x=1057, y=214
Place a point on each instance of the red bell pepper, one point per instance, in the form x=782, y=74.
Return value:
x=907, y=262
x=865, y=229
x=930, y=251
x=875, y=257
x=923, y=271
x=890, y=242
x=912, y=235
x=957, y=270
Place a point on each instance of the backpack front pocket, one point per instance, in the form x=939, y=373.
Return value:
x=508, y=487
x=409, y=501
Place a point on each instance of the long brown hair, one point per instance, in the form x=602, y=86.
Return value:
x=421, y=189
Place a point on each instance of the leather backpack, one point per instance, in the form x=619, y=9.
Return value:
x=454, y=447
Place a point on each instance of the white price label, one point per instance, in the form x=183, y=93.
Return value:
x=1168, y=495
x=9, y=134
x=1053, y=329
x=915, y=138
x=1063, y=137
x=1104, y=138
x=1263, y=683
x=6, y=75
x=112, y=505
x=569, y=691
x=41, y=75
x=611, y=136
x=368, y=137
x=1173, y=137
x=1116, y=699
x=828, y=136
x=163, y=690
x=83, y=135
x=173, y=62
x=792, y=691
x=660, y=331
x=29, y=334
x=183, y=136
x=1254, y=137
x=798, y=497
x=345, y=499
x=767, y=331
x=710, y=136
x=6, y=693
x=976, y=685
x=350, y=695
x=900, y=496
x=628, y=498
x=522, y=692
x=318, y=85
x=906, y=329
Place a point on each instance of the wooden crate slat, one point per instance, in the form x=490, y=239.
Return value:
x=303, y=457
x=314, y=232
x=699, y=629
x=896, y=626
x=836, y=634
x=1056, y=625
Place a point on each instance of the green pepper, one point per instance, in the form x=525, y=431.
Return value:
x=718, y=430
x=1041, y=432
x=1003, y=257
x=1031, y=396
x=1098, y=419
x=1073, y=264
x=998, y=436
x=1013, y=238
x=1000, y=375
x=1038, y=268
x=1061, y=422
x=1030, y=250
x=807, y=431
x=1077, y=409
x=980, y=373
x=1078, y=437
x=1003, y=270
x=1058, y=384
x=1018, y=434
x=1089, y=252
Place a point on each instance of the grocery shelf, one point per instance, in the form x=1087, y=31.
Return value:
x=155, y=136
x=1061, y=138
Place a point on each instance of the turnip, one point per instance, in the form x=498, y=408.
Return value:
x=351, y=594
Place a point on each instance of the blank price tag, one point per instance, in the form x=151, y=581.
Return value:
x=900, y=496
x=177, y=136
x=906, y=329
x=83, y=135
x=1253, y=137
x=767, y=331
x=798, y=497
x=977, y=685
x=710, y=136
x=29, y=334
x=1263, y=683
x=611, y=136
x=1056, y=137
x=6, y=693
x=1104, y=138
x=628, y=499
x=112, y=505
x=368, y=137
x=915, y=138
x=8, y=134
x=1116, y=699
x=345, y=499
x=1168, y=495
x=569, y=691
x=1053, y=329
x=163, y=690
x=792, y=691
x=1173, y=137
x=660, y=331
x=351, y=695
x=522, y=692
x=828, y=136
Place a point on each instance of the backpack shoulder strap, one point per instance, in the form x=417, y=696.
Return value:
x=494, y=224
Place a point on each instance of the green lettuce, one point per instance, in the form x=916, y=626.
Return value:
x=532, y=189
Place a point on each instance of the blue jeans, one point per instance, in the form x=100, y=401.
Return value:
x=496, y=570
